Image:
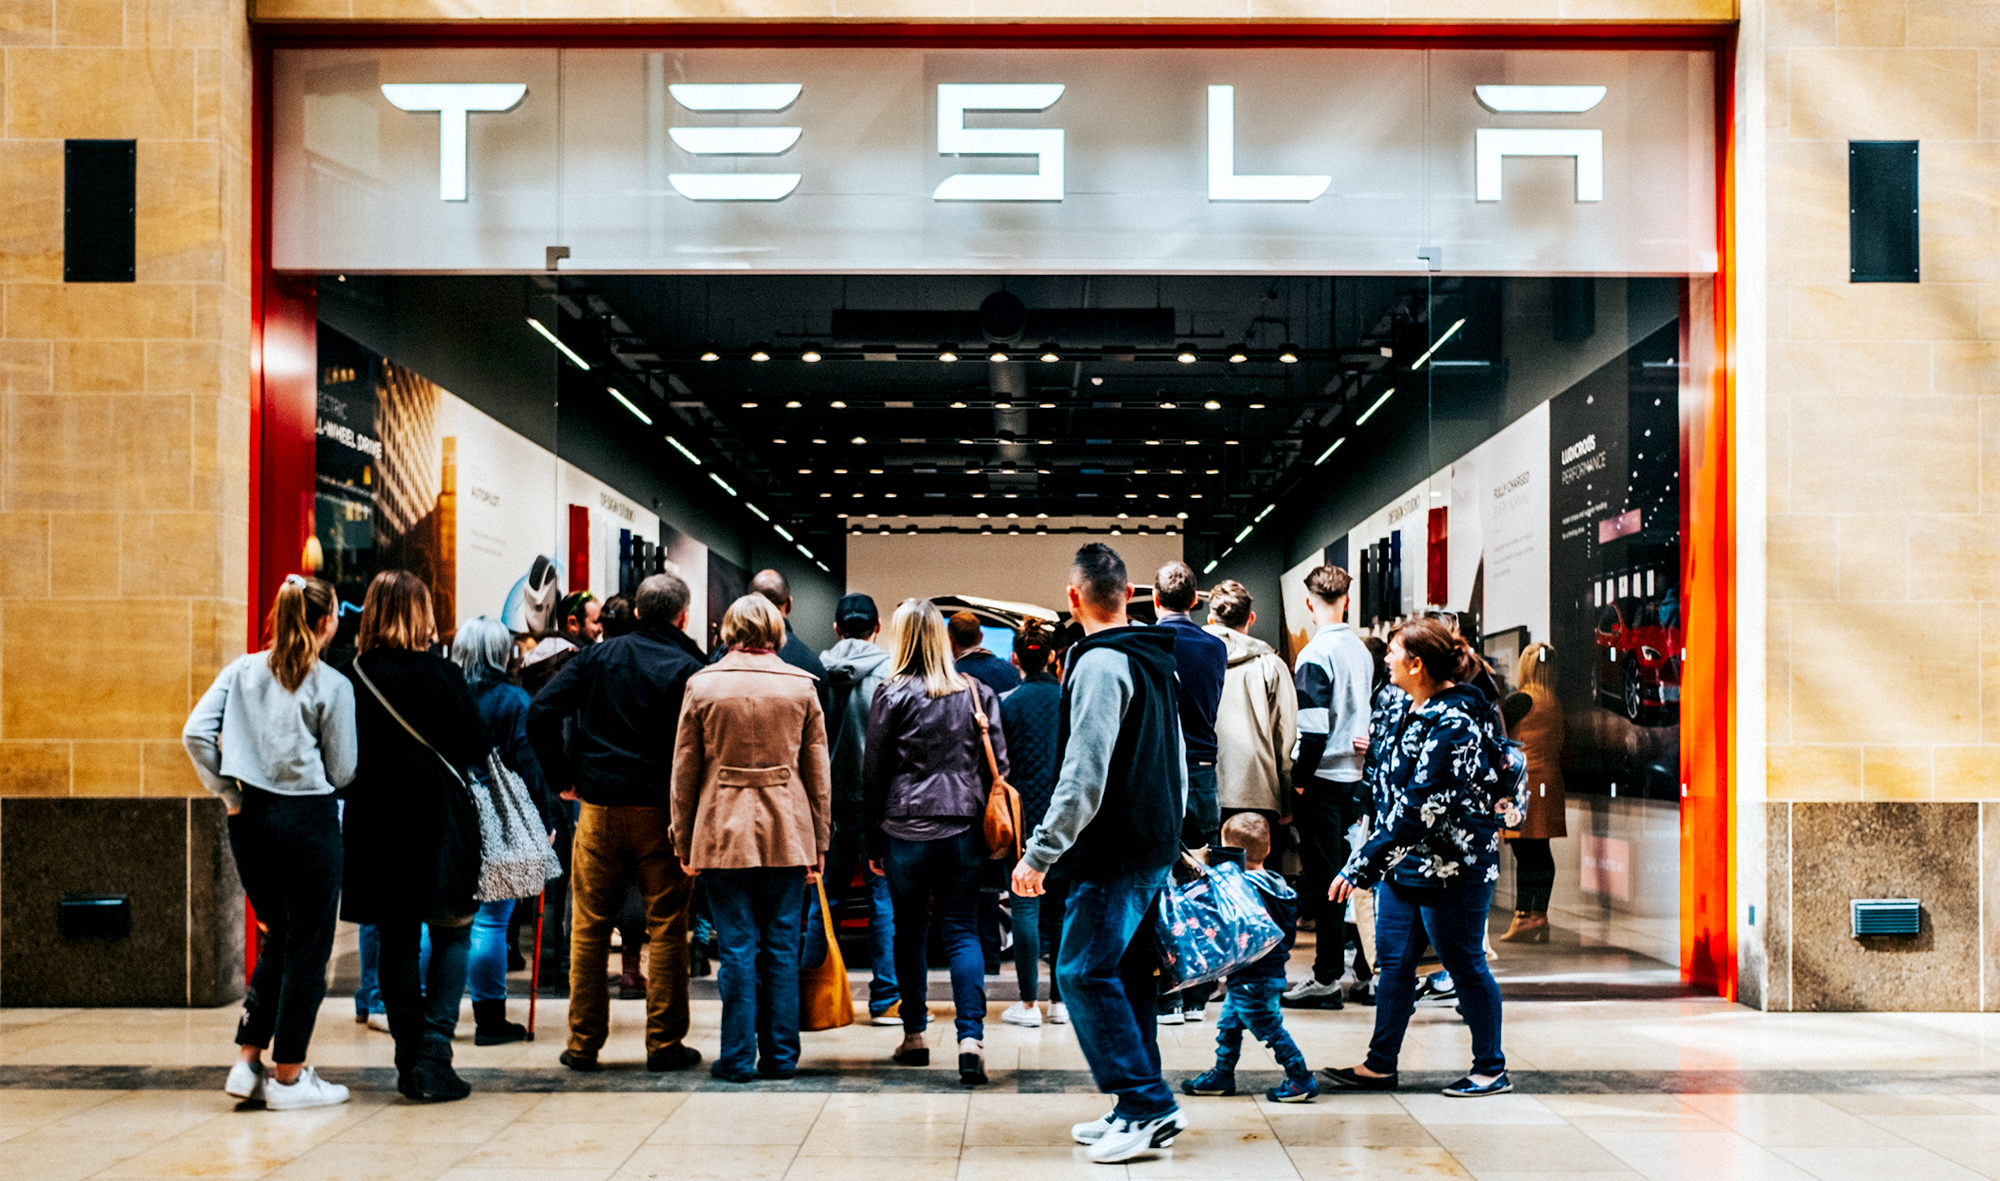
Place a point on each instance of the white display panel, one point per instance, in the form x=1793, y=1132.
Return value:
x=994, y=161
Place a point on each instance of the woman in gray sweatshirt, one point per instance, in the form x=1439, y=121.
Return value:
x=274, y=737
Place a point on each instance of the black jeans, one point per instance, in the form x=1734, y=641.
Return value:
x=422, y=1000
x=1534, y=875
x=1202, y=826
x=287, y=851
x=1323, y=813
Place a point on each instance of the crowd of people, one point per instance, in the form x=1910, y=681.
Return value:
x=698, y=796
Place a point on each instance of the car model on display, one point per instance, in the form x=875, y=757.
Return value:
x=1639, y=638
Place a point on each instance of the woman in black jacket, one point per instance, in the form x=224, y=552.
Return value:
x=924, y=782
x=411, y=835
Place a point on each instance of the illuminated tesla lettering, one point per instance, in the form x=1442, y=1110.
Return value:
x=956, y=139
x=454, y=102
x=734, y=141
x=1223, y=183
x=1493, y=144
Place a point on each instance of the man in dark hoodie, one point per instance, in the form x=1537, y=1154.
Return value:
x=625, y=697
x=856, y=667
x=1113, y=828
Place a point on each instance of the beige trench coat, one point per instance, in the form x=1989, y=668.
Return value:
x=751, y=787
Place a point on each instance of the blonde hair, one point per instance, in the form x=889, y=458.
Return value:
x=1536, y=667
x=923, y=648
x=396, y=613
x=753, y=622
x=297, y=613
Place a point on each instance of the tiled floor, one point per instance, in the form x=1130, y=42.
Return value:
x=1676, y=1089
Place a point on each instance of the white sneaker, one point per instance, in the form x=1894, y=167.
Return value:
x=1194, y=1014
x=245, y=1081
x=1058, y=1013
x=1129, y=1138
x=1170, y=1017
x=309, y=1090
x=1311, y=994
x=379, y=1022
x=1023, y=1014
x=1091, y=1131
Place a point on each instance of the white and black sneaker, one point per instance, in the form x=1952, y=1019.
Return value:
x=245, y=1081
x=1091, y=1131
x=308, y=1090
x=1312, y=993
x=1128, y=1138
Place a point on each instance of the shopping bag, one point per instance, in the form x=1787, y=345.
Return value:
x=516, y=859
x=824, y=1001
x=1208, y=923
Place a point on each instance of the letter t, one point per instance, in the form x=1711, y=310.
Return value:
x=454, y=102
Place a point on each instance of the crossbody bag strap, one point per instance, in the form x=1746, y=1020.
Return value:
x=405, y=724
x=985, y=728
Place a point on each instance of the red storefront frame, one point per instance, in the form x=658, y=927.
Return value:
x=285, y=392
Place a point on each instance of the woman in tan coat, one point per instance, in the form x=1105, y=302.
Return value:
x=1535, y=720
x=752, y=809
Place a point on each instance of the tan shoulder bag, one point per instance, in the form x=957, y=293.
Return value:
x=1001, y=825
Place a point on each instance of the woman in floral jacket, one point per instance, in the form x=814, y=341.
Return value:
x=1435, y=851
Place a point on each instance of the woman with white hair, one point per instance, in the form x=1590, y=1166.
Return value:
x=485, y=649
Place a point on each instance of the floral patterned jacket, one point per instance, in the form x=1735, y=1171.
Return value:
x=1438, y=814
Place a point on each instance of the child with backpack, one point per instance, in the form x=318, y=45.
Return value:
x=1252, y=1000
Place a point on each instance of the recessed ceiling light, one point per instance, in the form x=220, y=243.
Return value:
x=1041, y=516
x=965, y=442
x=874, y=471
x=1256, y=405
x=1048, y=405
x=1214, y=471
x=825, y=495
x=1186, y=355
x=805, y=471
x=1003, y=405
x=857, y=439
x=1097, y=381
x=1041, y=471
x=981, y=516
x=1169, y=406
x=1289, y=354
x=997, y=357
x=820, y=441
x=958, y=405
x=1152, y=442
x=1141, y=471
x=840, y=471
x=709, y=354
x=1239, y=354
x=947, y=353
x=1211, y=404
x=778, y=441
x=1121, y=516
x=759, y=352
x=810, y=353
x=889, y=495
x=838, y=405
x=1013, y=516
x=1049, y=353
x=793, y=405
x=749, y=405
x=1175, y=472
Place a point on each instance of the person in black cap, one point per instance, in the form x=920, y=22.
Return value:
x=856, y=668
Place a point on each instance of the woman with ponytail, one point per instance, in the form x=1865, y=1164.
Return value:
x=274, y=737
x=1435, y=851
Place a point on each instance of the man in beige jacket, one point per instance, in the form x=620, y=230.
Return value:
x=1258, y=723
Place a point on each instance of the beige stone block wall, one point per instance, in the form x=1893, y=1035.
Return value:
x=1883, y=543
x=124, y=407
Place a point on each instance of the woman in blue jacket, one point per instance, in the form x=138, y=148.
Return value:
x=1435, y=851
x=484, y=648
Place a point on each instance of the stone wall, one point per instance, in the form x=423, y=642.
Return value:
x=1882, y=404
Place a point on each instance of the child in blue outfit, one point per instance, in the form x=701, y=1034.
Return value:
x=1252, y=1002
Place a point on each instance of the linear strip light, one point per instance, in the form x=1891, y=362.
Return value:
x=757, y=512
x=784, y=533
x=1328, y=453
x=1245, y=533
x=1212, y=564
x=809, y=555
x=1436, y=345
x=722, y=483
x=551, y=337
x=1268, y=510
x=682, y=448
x=626, y=402
x=1369, y=413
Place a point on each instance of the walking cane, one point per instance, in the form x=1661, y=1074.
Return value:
x=535, y=970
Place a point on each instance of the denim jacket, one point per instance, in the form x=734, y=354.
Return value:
x=1437, y=813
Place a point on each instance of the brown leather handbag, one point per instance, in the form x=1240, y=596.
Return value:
x=1001, y=825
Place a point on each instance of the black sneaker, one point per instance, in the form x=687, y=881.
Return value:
x=1346, y=1078
x=672, y=1058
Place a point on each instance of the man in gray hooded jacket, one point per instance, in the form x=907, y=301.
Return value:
x=856, y=668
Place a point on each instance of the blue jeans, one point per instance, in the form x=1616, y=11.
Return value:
x=944, y=873
x=758, y=914
x=1106, y=969
x=1455, y=919
x=368, y=997
x=486, y=970
x=1253, y=1005
x=1027, y=914
x=881, y=943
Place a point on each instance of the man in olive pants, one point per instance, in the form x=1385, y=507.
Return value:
x=624, y=698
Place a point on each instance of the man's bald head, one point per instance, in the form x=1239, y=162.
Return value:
x=773, y=586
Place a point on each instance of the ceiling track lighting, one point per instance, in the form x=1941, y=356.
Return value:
x=555, y=340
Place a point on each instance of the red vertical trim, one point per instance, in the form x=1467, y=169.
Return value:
x=1708, y=680
x=579, y=548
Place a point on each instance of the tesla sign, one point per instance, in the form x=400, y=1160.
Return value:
x=913, y=160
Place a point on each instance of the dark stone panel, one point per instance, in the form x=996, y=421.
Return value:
x=53, y=847
x=1989, y=830
x=1777, y=917
x=215, y=908
x=1926, y=851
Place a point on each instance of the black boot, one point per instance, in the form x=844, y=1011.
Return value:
x=434, y=1079
x=406, y=1083
x=491, y=1027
